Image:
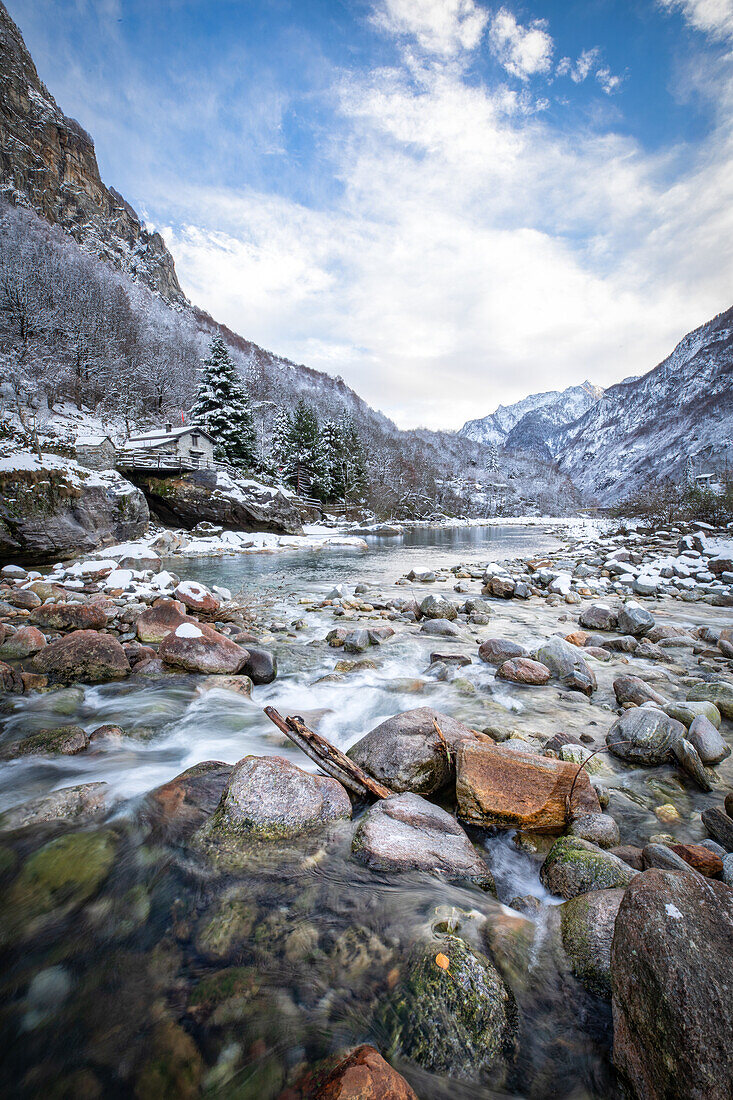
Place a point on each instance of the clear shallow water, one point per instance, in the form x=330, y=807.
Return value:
x=227, y=979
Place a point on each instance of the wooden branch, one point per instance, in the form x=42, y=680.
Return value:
x=328, y=757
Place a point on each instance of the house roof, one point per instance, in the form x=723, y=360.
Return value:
x=160, y=437
x=92, y=439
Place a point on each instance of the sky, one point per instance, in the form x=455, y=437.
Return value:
x=449, y=203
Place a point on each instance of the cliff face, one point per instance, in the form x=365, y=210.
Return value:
x=47, y=162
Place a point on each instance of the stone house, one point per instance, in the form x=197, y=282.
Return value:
x=189, y=446
x=95, y=451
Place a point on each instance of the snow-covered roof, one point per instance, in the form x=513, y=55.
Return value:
x=160, y=437
x=91, y=439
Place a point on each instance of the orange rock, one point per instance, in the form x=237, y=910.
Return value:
x=699, y=857
x=364, y=1075
x=498, y=786
x=578, y=637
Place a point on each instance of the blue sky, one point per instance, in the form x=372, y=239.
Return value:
x=450, y=203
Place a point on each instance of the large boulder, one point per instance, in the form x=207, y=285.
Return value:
x=70, y=616
x=437, y=607
x=182, y=805
x=634, y=619
x=574, y=866
x=565, y=662
x=497, y=786
x=599, y=616
x=55, y=509
x=452, y=1014
x=269, y=798
x=260, y=666
x=24, y=643
x=197, y=597
x=644, y=736
x=587, y=922
x=632, y=689
x=364, y=1075
x=217, y=497
x=407, y=753
x=197, y=647
x=407, y=833
x=159, y=620
x=673, y=987
x=85, y=656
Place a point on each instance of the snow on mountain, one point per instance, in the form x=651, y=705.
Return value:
x=679, y=415
x=557, y=408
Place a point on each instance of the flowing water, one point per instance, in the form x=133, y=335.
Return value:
x=163, y=974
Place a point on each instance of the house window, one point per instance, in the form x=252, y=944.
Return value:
x=195, y=439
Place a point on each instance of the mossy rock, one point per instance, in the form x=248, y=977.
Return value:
x=460, y=1020
x=574, y=866
x=59, y=741
x=587, y=924
x=63, y=874
x=225, y=931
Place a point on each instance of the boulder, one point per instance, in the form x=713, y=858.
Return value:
x=501, y=587
x=662, y=632
x=660, y=855
x=565, y=662
x=197, y=647
x=70, y=616
x=672, y=991
x=452, y=1014
x=159, y=620
x=80, y=805
x=179, y=807
x=644, y=736
x=260, y=665
x=600, y=829
x=197, y=597
x=587, y=923
x=635, y=619
x=495, y=651
x=364, y=1075
x=436, y=607
x=55, y=509
x=689, y=760
x=700, y=858
x=720, y=826
x=357, y=641
x=574, y=866
x=522, y=670
x=686, y=713
x=407, y=833
x=718, y=692
x=439, y=628
x=11, y=680
x=60, y=741
x=140, y=558
x=85, y=656
x=269, y=798
x=224, y=499
x=632, y=689
x=24, y=598
x=24, y=643
x=499, y=786
x=599, y=616
x=406, y=752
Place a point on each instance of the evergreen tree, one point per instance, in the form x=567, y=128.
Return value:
x=304, y=447
x=331, y=447
x=282, y=449
x=353, y=461
x=222, y=407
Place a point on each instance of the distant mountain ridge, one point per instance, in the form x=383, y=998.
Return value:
x=532, y=418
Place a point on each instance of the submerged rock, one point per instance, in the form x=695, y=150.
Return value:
x=269, y=798
x=498, y=786
x=406, y=753
x=452, y=1013
x=672, y=992
x=574, y=866
x=364, y=1075
x=587, y=922
x=632, y=689
x=407, y=833
x=86, y=656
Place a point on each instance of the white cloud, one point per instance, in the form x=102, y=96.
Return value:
x=443, y=27
x=523, y=51
x=589, y=63
x=713, y=17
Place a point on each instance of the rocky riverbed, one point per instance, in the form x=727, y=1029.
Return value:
x=542, y=908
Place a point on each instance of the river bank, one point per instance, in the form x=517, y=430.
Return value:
x=249, y=939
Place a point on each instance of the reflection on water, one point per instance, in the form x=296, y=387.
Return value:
x=138, y=966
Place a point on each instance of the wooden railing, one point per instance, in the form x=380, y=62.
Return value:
x=149, y=460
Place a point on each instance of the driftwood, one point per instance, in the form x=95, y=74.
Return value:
x=328, y=757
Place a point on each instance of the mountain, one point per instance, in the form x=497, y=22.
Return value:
x=556, y=407
x=680, y=414
x=48, y=163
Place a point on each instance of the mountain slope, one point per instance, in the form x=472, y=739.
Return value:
x=555, y=408
x=652, y=426
x=48, y=163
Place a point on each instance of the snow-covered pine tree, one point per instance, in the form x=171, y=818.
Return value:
x=304, y=443
x=331, y=447
x=222, y=407
x=282, y=448
x=353, y=461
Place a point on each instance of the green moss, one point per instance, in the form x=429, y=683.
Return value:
x=577, y=919
x=227, y=928
x=65, y=872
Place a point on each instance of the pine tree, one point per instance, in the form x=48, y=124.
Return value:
x=281, y=449
x=331, y=448
x=304, y=447
x=223, y=408
x=353, y=461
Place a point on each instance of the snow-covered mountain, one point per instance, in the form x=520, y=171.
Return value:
x=557, y=408
x=680, y=413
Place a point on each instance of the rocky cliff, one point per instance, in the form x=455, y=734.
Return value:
x=47, y=162
x=679, y=414
x=533, y=418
